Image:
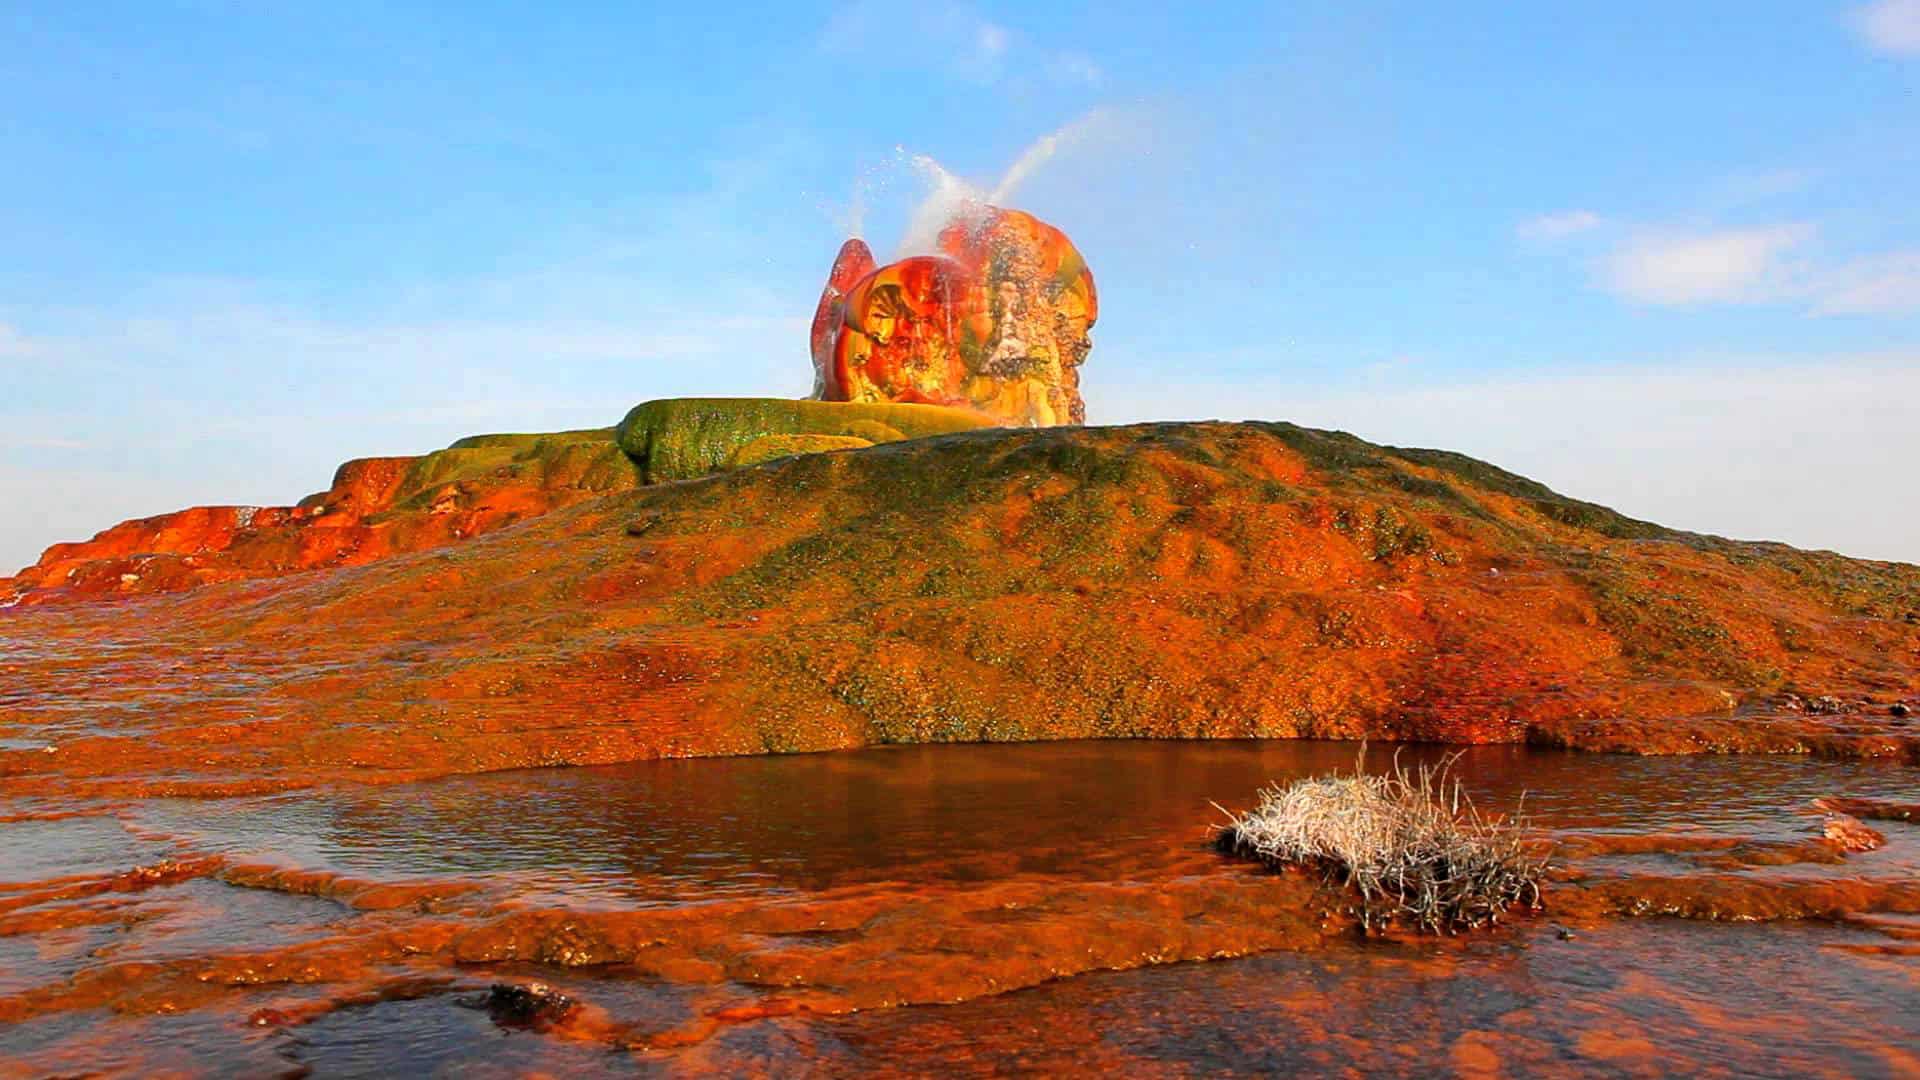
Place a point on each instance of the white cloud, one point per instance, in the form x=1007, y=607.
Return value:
x=1811, y=452
x=1722, y=266
x=1890, y=26
x=1769, y=264
x=1076, y=67
x=1751, y=188
x=951, y=37
x=991, y=40
x=1878, y=284
x=41, y=442
x=1707, y=262
x=14, y=345
x=1558, y=226
x=1388, y=370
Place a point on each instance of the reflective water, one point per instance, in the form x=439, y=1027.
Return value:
x=947, y=909
x=672, y=830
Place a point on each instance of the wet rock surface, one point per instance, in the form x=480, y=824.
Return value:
x=1177, y=580
x=266, y=821
x=762, y=915
x=532, y=1004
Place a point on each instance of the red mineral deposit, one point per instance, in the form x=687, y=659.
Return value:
x=997, y=321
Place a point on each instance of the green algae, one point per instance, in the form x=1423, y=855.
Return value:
x=773, y=447
x=1664, y=628
x=681, y=438
x=588, y=460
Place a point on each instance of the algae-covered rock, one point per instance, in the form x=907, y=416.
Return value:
x=587, y=460
x=874, y=431
x=770, y=447
x=680, y=438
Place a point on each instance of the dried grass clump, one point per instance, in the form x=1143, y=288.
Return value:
x=1412, y=844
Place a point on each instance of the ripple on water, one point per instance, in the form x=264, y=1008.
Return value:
x=909, y=871
x=1641, y=998
x=669, y=831
x=37, y=849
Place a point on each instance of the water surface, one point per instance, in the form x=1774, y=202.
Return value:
x=939, y=909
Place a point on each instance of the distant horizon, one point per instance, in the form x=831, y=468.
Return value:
x=1663, y=260
x=1625, y=502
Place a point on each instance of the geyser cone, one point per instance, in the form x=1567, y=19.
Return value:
x=854, y=262
x=997, y=322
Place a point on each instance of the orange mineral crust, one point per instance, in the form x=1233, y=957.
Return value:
x=947, y=910
x=375, y=507
x=998, y=321
x=1168, y=580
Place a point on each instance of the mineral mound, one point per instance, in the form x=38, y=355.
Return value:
x=1190, y=580
x=997, y=322
x=375, y=507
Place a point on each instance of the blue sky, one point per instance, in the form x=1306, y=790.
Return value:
x=1664, y=256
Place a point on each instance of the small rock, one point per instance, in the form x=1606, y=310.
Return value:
x=1852, y=834
x=1900, y=709
x=529, y=1003
x=1825, y=706
x=1563, y=933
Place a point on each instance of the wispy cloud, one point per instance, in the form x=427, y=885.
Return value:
x=1881, y=284
x=990, y=40
x=236, y=357
x=1744, y=189
x=1076, y=67
x=35, y=442
x=1558, y=226
x=14, y=345
x=1781, y=263
x=1722, y=266
x=950, y=37
x=1890, y=26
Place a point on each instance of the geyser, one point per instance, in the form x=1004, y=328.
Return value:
x=997, y=321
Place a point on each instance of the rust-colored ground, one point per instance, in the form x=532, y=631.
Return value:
x=1179, y=580
x=376, y=507
x=1204, y=581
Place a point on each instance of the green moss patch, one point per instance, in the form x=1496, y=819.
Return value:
x=588, y=460
x=680, y=438
x=773, y=447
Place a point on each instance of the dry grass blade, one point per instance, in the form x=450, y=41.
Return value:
x=1411, y=843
